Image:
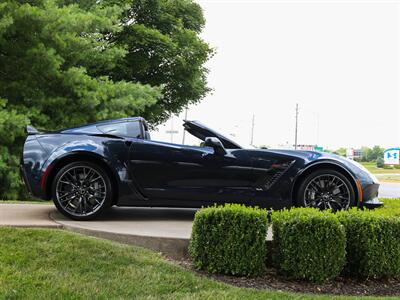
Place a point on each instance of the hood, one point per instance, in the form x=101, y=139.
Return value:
x=354, y=167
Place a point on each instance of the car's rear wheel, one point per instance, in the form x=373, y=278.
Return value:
x=82, y=190
x=326, y=189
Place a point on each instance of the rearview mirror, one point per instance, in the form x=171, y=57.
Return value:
x=216, y=144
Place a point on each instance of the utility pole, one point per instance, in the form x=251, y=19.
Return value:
x=295, y=133
x=317, y=129
x=184, y=130
x=172, y=131
x=252, y=131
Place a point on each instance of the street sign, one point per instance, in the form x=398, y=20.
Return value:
x=392, y=156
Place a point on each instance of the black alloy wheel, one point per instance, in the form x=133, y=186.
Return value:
x=82, y=191
x=326, y=189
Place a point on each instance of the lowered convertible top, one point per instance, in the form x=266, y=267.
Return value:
x=201, y=131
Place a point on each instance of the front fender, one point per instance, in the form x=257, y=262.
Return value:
x=336, y=164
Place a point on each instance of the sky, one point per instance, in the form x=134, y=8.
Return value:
x=339, y=60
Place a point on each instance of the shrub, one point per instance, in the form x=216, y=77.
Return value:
x=380, y=162
x=373, y=244
x=229, y=239
x=308, y=244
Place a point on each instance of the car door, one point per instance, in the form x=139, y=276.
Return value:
x=165, y=171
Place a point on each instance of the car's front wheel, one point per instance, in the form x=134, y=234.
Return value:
x=82, y=191
x=326, y=189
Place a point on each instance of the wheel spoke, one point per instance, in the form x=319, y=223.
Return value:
x=327, y=191
x=89, y=176
x=81, y=190
x=66, y=195
x=317, y=188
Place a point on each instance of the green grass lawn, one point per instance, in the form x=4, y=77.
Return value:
x=371, y=166
x=55, y=264
x=385, y=174
x=390, y=204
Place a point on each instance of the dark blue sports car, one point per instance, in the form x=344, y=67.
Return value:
x=87, y=169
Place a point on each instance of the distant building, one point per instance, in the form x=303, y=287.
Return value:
x=301, y=147
x=355, y=154
x=306, y=147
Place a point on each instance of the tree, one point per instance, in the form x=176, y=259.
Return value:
x=11, y=137
x=68, y=62
x=377, y=152
x=380, y=163
x=340, y=151
x=54, y=59
x=164, y=49
x=373, y=154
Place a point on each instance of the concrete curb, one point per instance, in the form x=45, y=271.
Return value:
x=176, y=248
x=162, y=230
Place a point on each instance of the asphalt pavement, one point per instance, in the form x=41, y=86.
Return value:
x=389, y=190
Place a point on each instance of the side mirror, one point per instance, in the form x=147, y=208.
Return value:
x=216, y=144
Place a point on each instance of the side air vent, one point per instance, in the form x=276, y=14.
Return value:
x=277, y=171
x=270, y=182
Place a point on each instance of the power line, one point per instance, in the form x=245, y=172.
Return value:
x=172, y=131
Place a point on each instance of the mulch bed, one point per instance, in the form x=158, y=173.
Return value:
x=340, y=286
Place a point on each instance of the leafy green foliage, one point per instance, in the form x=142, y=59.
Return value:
x=373, y=243
x=308, y=244
x=164, y=49
x=380, y=163
x=229, y=239
x=340, y=151
x=49, y=56
x=11, y=137
x=372, y=154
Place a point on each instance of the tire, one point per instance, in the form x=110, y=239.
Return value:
x=326, y=189
x=82, y=191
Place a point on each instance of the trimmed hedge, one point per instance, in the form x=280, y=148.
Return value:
x=373, y=244
x=229, y=239
x=308, y=244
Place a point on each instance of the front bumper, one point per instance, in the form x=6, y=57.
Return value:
x=373, y=203
x=370, y=198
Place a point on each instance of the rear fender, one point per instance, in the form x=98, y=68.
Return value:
x=113, y=160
